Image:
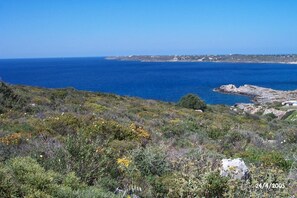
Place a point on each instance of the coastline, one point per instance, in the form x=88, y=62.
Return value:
x=258, y=95
x=242, y=59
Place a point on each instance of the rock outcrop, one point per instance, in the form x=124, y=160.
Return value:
x=278, y=113
x=235, y=168
x=258, y=94
x=251, y=108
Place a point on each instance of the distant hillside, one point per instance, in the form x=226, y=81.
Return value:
x=69, y=143
x=234, y=58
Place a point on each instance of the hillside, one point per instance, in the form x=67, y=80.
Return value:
x=69, y=143
x=232, y=58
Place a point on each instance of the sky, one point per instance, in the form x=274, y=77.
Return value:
x=87, y=28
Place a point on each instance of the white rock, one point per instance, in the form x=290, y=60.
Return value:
x=277, y=113
x=235, y=168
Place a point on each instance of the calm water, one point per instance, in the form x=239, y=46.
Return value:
x=162, y=81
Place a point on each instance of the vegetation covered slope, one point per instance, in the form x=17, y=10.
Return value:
x=69, y=143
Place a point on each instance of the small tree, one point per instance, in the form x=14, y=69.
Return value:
x=192, y=101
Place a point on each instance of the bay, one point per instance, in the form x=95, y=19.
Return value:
x=166, y=81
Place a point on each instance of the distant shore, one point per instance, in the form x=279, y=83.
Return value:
x=236, y=58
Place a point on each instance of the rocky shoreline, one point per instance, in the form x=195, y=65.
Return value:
x=266, y=101
x=259, y=95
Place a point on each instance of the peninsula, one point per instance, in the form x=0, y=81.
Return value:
x=258, y=94
x=231, y=58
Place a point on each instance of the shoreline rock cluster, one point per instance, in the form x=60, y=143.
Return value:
x=259, y=95
x=265, y=100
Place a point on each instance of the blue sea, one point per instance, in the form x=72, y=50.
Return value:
x=166, y=81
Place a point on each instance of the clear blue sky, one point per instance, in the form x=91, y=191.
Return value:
x=63, y=28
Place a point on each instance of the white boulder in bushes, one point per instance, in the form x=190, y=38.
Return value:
x=235, y=168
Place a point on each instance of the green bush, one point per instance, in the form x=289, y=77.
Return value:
x=176, y=185
x=9, y=99
x=259, y=176
x=63, y=124
x=216, y=133
x=151, y=160
x=270, y=116
x=84, y=160
x=109, y=130
x=267, y=158
x=93, y=192
x=290, y=135
x=233, y=142
x=274, y=158
x=215, y=185
x=192, y=101
x=24, y=177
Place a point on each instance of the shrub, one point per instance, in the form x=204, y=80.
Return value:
x=9, y=99
x=192, y=101
x=59, y=94
x=119, y=147
x=270, y=116
x=177, y=185
x=274, y=158
x=267, y=158
x=291, y=135
x=111, y=130
x=63, y=124
x=173, y=131
x=215, y=185
x=233, y=142
x=151, y=160
x=83, y=158
x=255, y=186
x=24, y=177
x=215, y=133
x=93, y=192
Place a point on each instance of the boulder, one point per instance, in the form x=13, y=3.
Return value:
x=278, y=113
x=235, y=168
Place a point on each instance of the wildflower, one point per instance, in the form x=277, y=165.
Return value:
x=11, y=139
x=124, y=162
x=40, y=156
x=141, y=132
